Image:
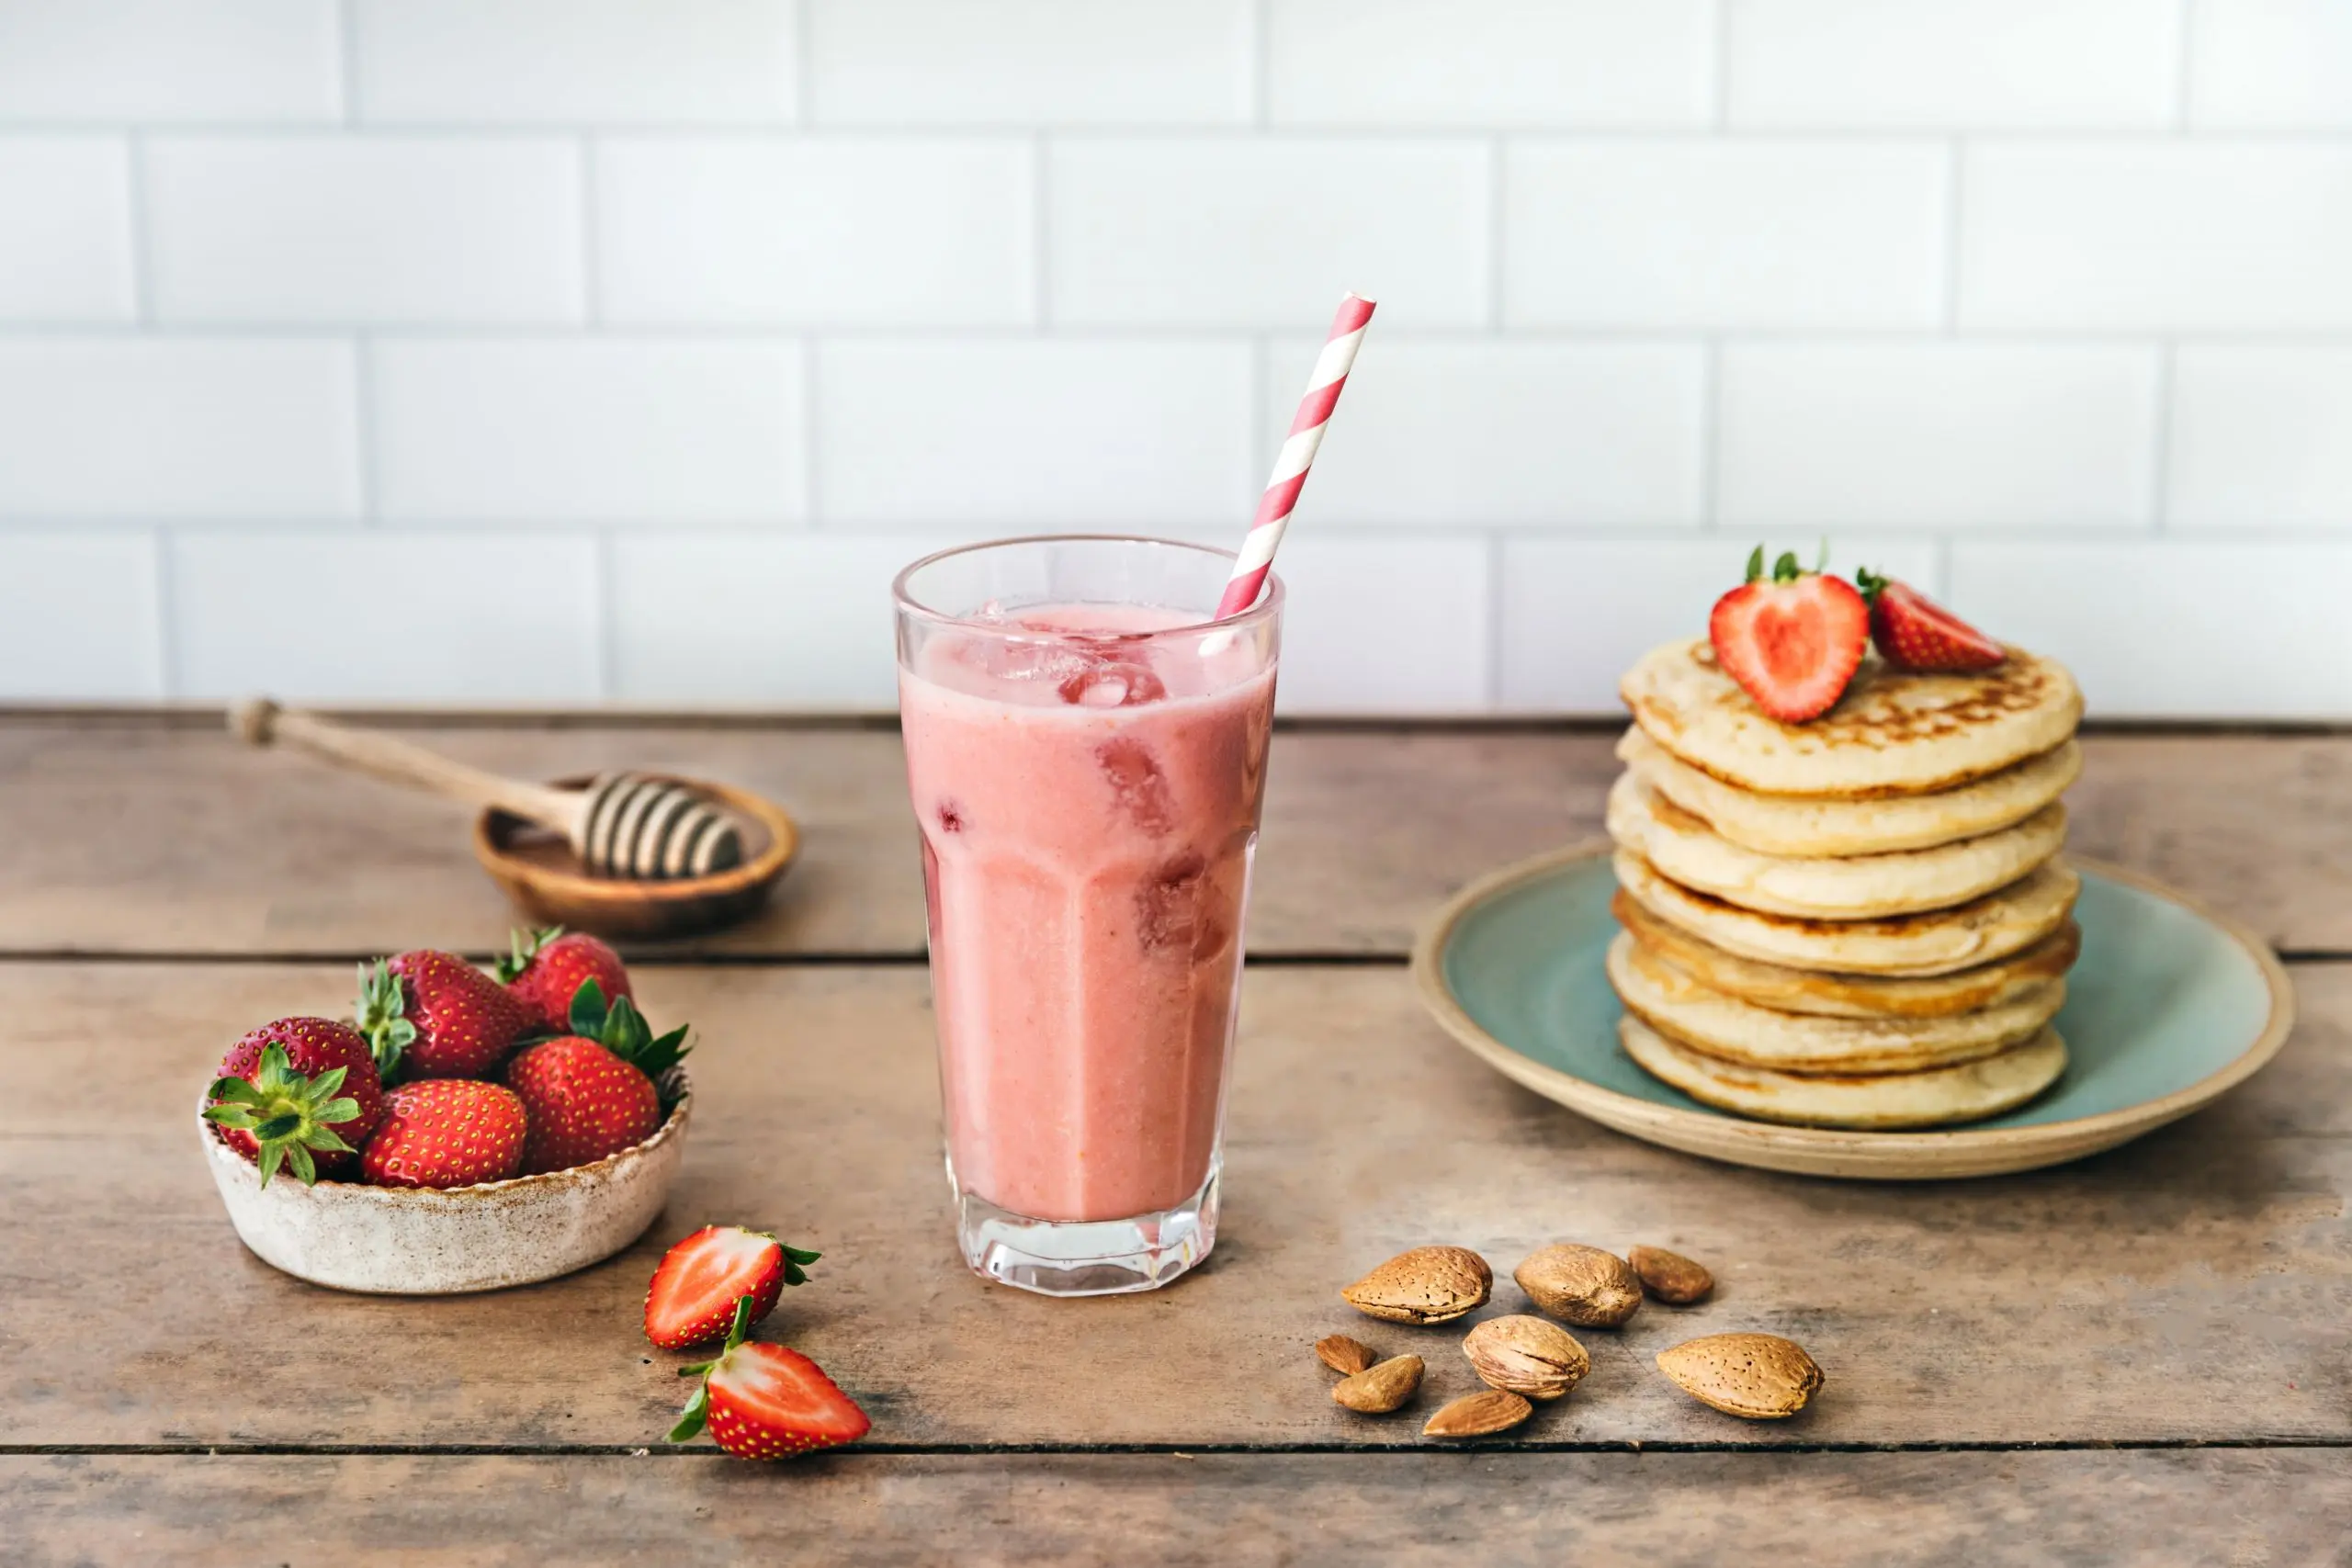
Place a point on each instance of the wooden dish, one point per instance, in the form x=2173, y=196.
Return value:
x=2170, y=1006
x=423, y=1241
x=549, y=882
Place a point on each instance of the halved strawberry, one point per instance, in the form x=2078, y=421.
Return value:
x=765, y=1401
x=1792, y=642
x=1914, y=632
x=696, y=1289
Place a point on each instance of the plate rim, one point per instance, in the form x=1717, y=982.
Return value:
x=1957, y=1151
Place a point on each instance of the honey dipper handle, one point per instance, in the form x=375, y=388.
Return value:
x=263, y=722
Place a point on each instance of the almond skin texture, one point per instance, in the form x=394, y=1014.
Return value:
x=1428, y=1284
x=1526, y=1356
x=1761, y=1377
x=1671, y=1276
x=1378, y=1390
x=1478, y=1415
x=1342, y=1354
x=1582, y=1285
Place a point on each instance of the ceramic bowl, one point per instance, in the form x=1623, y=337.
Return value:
x=419, y=1241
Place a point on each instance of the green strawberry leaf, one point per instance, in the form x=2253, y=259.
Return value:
x=380, y=1016
x=588, y=1010
x=522, y=945
x=695, y=1416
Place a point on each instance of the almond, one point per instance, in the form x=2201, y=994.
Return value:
x=1670, y=1276
x=1342, y=1354
x=1759, y=1376
x=1428, y=1284
x=1526, y=1354
x=1378, y=1390
x=1582, y=1285
x=1478, y=1415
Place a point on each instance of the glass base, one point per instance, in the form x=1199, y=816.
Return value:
x=1085, y=1257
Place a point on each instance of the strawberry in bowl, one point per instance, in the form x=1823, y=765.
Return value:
x=417, y=1171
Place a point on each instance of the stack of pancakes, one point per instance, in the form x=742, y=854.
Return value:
x=1858, y=921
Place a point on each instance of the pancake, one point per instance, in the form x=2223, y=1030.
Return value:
x=1671, y=1001
x=1995, y=926
x=1851, y=996
x=1940, y=1097
x=1802, y=824
x=1893, y=732
x=1826, y=887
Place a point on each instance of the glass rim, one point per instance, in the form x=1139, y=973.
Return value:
x=1270, y=598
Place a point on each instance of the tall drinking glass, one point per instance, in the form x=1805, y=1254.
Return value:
x=1087, y=756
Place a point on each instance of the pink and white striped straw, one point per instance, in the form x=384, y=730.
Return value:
x=1297, y=455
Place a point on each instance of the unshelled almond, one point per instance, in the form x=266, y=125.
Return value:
x=1343, y=1355
x=1377, y=1390
x=1759, y=1376
x=1582, y=1285
x=1669, y=1276
x=1478, y=1415
x=1526, y=1356
x=1428, y=1284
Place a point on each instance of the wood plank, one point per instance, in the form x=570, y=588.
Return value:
x=1660, y=1510
x=137, y=837
x=2193, y=1285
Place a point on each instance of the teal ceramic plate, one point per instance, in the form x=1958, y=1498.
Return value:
x=2170, y=1006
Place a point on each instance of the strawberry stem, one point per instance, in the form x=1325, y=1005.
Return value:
x=287, y=1115
x=523, y=945
x=379, y=1015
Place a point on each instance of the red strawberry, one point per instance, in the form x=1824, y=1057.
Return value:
x=447, y=1132
x=1793, y=642
x=1914, y=632
x=765, y=1401
x=302, y=1091
x=545, y=969
x=583, y=1102
x=695, y=1291
x=433, y=1015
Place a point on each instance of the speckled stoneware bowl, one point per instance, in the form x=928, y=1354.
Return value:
x=416, y=1241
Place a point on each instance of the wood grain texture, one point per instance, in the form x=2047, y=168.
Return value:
x=1685, y=1510
x=138, y=836
x=2192, y=1285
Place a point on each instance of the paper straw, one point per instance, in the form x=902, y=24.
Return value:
x=1297, y=455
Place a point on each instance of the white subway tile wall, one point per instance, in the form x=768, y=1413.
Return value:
x=573, y=350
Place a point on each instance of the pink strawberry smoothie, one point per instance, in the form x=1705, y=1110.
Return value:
x=1089, y=808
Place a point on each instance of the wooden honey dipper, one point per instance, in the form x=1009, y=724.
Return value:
x=621, y=825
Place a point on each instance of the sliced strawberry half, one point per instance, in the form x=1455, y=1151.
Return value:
x=1914, y=632
x=765, y=1401
x=1793, y=641
x=695, y=1291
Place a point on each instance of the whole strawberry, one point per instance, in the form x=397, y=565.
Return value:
x=545, y=969
x=765, y=1401
x=433, y=1015
x=583, y=1102
x=303, y=1092
x=447, y=1132
x=595, y=1091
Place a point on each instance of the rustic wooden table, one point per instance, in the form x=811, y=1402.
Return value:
x=2141, y=1357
